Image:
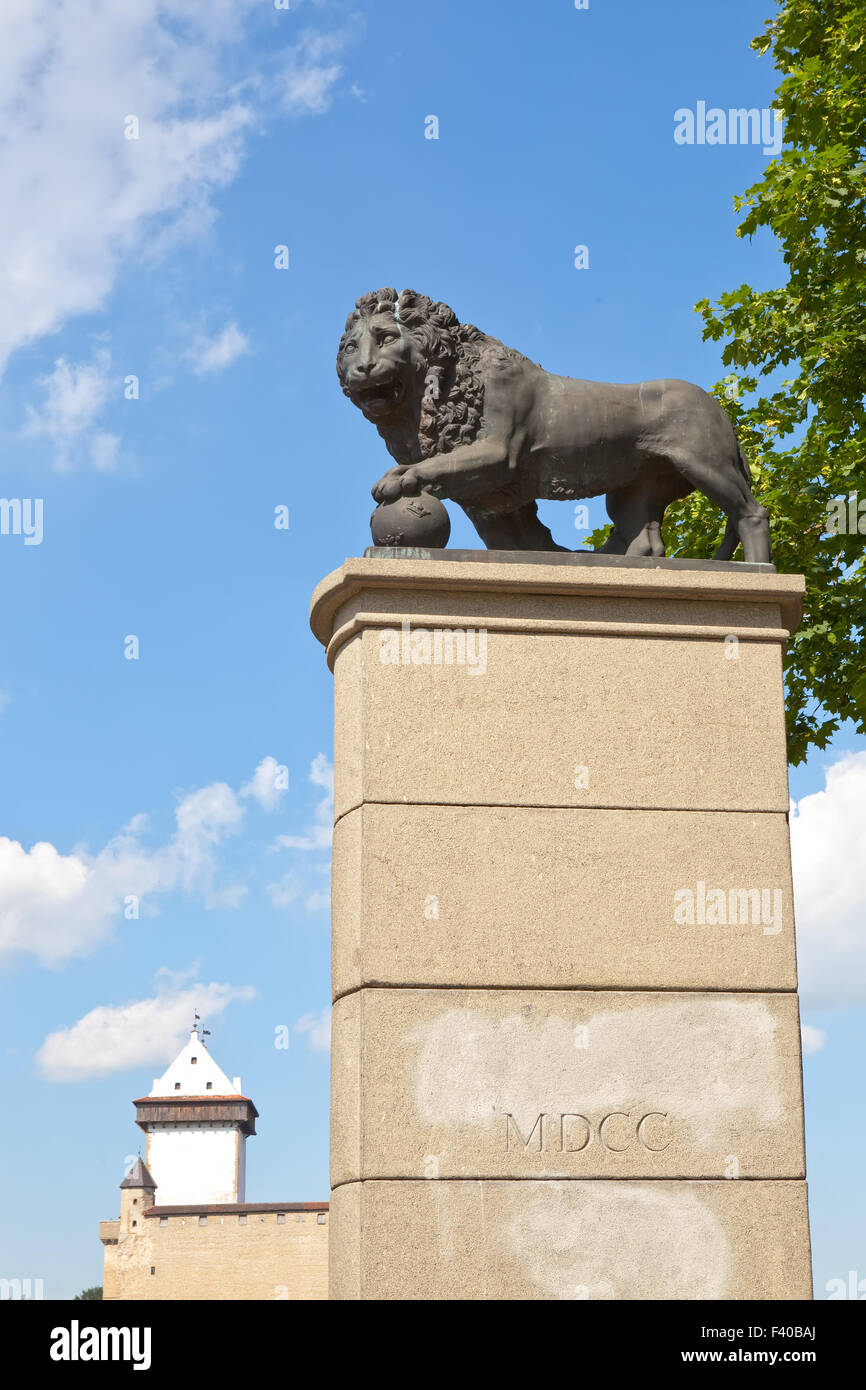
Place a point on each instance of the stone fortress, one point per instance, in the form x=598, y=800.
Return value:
x=185, y=1230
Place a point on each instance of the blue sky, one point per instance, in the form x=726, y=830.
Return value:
x=155, y=258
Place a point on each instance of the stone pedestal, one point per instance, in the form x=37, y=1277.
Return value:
x=566, y=1052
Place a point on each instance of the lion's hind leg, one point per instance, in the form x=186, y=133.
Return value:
x=726, y=483
x=636, y=513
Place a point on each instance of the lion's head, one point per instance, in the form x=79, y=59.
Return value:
x=410, y=366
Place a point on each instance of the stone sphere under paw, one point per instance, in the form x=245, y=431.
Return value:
x=412, y=521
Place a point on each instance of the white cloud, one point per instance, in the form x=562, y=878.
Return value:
x=268, y=784
x=285, y=891
x=56, y=906
x=318, y=835
x=118, y=1037
x=75, y=394
x=813, y=1038
x=289, y=889
x=204, y=818
x=309, y=73
x=103, y=451
x=318, y=1029
x=167, y=978
x=828, y=847
x=210, y=355
x=79, y=197
x=309, y=89
x=317, y=901
x=322, y=775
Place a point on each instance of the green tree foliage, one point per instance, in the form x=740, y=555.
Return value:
x=90, y=1295
x=806, y=437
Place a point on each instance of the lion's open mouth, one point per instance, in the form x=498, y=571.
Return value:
x=379, y=396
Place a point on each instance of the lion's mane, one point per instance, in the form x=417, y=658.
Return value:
x=453, y=395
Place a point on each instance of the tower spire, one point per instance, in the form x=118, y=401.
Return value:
x=195, y=1097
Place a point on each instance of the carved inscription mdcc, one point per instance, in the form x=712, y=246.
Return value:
x=616, y=1132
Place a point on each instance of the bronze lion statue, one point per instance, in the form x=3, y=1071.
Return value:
x=469, y=419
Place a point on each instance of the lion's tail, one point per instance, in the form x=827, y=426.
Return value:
x=731, y=538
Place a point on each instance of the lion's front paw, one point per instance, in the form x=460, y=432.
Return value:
x=398, y=482
x=388, y=488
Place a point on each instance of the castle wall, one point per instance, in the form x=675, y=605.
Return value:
x=109, y=1235
x=221, y=1255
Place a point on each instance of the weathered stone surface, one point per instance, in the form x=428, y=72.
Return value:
x=573, y=721
x=546, y=1076
x=642, y=693
x=486, y=896
x=565, y=1084
x=570, y=1240
x=476, y=577
x=183, y=1259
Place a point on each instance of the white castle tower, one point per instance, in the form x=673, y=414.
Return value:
x=197, y=1123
